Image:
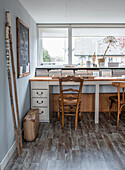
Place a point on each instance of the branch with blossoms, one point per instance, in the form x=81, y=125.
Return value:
x=121, y=44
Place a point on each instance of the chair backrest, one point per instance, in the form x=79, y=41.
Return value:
x=71, y=79
x=120, y=85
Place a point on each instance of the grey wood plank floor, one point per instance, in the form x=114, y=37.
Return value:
x=91, y=147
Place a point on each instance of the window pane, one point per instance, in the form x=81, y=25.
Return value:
x=54, y=45
x=98, y=41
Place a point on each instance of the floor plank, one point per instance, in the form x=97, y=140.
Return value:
x=91, y=147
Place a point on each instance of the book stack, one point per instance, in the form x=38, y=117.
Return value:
x=41, y=73
x=67, y=72
x=55, y=73
x=96, y=73
x=118, y=72
x=90, y=72
x=106, y=73
x=81, y=73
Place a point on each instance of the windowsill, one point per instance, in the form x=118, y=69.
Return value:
x=77, y=67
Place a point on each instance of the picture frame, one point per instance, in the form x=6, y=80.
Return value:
x=23, y=54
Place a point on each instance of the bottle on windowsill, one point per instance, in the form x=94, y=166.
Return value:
x=82, y=63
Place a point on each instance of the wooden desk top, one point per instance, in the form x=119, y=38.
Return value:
x=86, y=79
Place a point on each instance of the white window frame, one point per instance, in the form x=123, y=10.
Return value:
x=70, y=27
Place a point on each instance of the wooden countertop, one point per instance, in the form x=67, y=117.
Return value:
x=86, y=79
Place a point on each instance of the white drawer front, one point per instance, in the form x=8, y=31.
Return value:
x=38, y=102
x=44, y=114
x=39, y=93
x=39, y=85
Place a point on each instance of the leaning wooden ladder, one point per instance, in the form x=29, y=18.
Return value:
x=9, y=51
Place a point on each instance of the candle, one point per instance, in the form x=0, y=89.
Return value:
x=8, y=18
x=7, y=32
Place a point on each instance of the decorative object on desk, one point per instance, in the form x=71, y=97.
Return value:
x=41, y=72
x=101, y=62
x=82, y=63
x=9, y=50
x=81, y=73
x=110, y=40
x=90, y=72
x=106, y=72
x=94, y=59
x=119, y=100
x=88, y=63
x=55, y=72
x=113, y=64
x=31, y=125
x=118, y=72
x=70, y=104
x=67, y=72
x=96, y=73
x=23, y=55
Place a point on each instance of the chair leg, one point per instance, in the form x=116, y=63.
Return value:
x=62, y=119
x=110, y=107
x=76, y=119
x=58, y=114
x=80, y=115
x=118, y=119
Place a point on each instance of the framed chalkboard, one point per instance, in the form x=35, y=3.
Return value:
x=23, y=55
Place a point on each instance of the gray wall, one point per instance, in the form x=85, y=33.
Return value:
x=23, y=88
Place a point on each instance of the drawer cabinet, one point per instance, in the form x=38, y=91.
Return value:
x=40, y=99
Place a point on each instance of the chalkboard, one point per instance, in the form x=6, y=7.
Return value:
x=23, y=56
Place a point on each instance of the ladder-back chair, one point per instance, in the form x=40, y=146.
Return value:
x=119, y=100
x=70, y=99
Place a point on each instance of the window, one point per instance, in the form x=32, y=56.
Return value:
x=72, y=44
x=53, y=45
x=87, y=42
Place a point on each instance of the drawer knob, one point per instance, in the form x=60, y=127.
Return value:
x=39, y=93
x=39, y=102
x=42, y=112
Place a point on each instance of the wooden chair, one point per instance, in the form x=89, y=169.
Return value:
x=118, y=100
x=69, y=103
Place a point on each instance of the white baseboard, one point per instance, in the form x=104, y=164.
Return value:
x=7, y=156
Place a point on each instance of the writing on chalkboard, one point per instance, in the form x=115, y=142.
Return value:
x=23, y=58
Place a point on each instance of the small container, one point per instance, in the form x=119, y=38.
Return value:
x=102, y=64
x=101, y=60
x=88, y=63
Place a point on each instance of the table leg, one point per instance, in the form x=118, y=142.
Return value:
x=97, y=103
